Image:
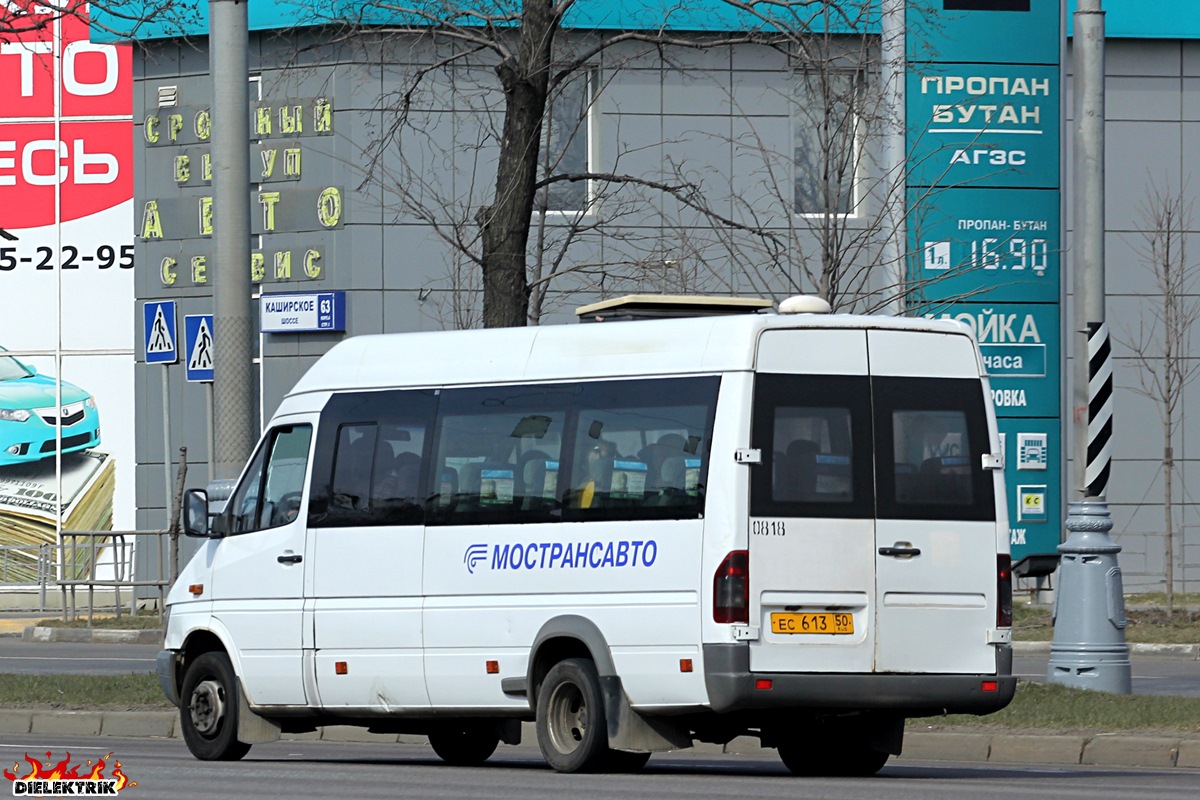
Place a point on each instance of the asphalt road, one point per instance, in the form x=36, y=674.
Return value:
x=1151, y=674
x=65, y=658
x=164, y=770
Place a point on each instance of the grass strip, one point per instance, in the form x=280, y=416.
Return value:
x=1052, y=707
x=141, y=622
x=1034, y=624
x=77, y=692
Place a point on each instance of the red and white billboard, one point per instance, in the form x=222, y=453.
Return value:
x=66, y=276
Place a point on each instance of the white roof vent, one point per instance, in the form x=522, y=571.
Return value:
x=804, y=304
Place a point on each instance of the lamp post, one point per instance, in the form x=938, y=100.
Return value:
x=1089, y=649
x=234, y=428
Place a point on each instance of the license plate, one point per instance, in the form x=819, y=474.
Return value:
x=823, y=622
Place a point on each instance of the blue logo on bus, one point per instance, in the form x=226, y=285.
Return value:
x=475, y=553
x=562, y=555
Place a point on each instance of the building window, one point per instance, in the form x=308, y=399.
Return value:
x=827, y=127
x=567, y=147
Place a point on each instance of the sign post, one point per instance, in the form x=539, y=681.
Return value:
x=160, y=332
x=161, y=348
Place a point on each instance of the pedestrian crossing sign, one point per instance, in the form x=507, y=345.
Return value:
x=159, y=319
x=198, y=347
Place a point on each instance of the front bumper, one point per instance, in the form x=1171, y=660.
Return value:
x=733, y=687
x=34, y=440
x=164, y=665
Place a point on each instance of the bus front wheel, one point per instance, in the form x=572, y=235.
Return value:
x=208, y=709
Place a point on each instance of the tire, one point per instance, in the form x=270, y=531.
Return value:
x=463, y=747
x=622, y=762
x=208, y=709
x=807, y=758
x=571, y=729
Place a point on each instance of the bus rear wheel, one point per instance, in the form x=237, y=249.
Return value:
x=571, y=728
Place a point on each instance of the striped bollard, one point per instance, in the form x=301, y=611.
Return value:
x=1089, y=649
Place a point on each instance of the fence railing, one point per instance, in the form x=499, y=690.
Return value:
x=29, y=565
x=92, y=560
x=86, y=557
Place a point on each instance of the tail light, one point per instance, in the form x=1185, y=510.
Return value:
x=1004, y=614
x=731, y=588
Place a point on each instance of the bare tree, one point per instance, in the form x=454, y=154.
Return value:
x=1161, y=345
x=520, y=246
x=807, y=212
x=23, y=17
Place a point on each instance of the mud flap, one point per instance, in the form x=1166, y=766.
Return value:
x=887, y=736
x=253, y=729
x=630, y=731
x=509, y=731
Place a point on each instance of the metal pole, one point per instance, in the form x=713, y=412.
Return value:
x=234, y=419
x=1089, y=649
x=167, y=483
x=892, y=75
x=208, y=419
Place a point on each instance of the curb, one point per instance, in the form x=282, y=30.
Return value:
x=1109, y=750
x=40, y=633
x=1184, y=651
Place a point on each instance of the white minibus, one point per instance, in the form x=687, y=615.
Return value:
x=634, y=534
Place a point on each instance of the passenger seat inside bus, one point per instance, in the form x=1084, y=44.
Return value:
x=352, y=476
x=800, y=472
x=531, y=475
x=668, y=449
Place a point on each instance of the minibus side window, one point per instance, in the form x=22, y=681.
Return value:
x=351, y=479
x=640, y=449
x=814, y=432
x=932, y=435
x=396, y=497
x=497, y=455
x=270, y=497
x=371, y=458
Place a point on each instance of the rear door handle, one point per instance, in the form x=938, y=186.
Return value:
x=290, y=559
x=900, y=552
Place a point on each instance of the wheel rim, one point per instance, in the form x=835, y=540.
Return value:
x=207, y=707
x=568, y=718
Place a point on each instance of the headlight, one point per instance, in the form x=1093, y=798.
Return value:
x=14, y=415
x=90, y=402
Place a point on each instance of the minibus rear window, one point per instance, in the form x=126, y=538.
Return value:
x=814, y=432
x=931, y=439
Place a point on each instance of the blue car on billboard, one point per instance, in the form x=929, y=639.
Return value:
x=30, y=410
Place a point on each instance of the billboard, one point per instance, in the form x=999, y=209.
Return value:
x=66, y=272
x=983, y=122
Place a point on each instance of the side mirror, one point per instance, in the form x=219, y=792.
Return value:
x=195, y=513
